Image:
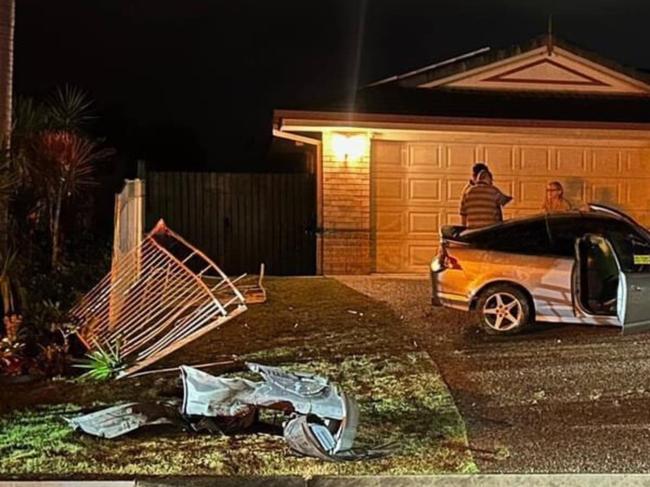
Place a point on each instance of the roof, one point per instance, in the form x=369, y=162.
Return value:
x=486, y=56
x=545, y=81
x=450, y=102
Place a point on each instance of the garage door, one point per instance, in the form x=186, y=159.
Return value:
x=416, y=186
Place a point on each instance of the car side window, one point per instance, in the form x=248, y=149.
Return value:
x=563, y=234
x=530, y=238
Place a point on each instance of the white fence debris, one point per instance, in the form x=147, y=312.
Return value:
x=155, y=300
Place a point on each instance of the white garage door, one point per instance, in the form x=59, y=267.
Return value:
x=416, y=186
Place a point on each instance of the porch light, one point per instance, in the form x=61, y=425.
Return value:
x=349, y=147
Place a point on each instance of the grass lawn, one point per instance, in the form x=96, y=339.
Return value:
x=307, y=324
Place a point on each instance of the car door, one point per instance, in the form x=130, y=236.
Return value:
x=595, y=284
x=563, y=232
x=632, y=255
x=632, y=250
x=633, y=306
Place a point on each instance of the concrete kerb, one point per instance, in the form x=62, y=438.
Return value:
x=506, y=480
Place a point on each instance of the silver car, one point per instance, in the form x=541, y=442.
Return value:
x=589, y=267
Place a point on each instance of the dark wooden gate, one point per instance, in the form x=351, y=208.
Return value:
x=240, y=220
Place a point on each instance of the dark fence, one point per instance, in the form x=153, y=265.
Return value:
x=240, y=220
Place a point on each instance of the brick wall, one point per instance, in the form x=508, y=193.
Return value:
x=346, y=209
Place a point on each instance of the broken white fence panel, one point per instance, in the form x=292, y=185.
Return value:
x=155, y=300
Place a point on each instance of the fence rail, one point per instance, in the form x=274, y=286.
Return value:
x=240, y=220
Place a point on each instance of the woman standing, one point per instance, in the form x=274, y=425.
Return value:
x=555, y=201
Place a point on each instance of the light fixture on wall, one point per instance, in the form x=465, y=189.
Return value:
x=349, y=147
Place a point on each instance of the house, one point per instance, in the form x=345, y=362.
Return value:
x=392, y=168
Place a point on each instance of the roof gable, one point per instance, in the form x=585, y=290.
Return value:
x=545, y=70
x=544, y=65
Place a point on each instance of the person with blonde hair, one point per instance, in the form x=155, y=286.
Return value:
x=555, y=202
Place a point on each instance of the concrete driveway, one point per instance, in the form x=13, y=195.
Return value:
x=556, y=399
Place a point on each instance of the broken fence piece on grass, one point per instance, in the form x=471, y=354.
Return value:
x=255, y=293
x=321, y=419
x=155, y=300
x=252, y=288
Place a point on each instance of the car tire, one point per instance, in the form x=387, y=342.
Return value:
x=504, y=309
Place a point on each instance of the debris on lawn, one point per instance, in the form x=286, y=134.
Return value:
x=595, y=395
x=251, y=287
x=321, y=419
x=157, y=298
x=539, y=395
x=254, y=293
x=119, y=420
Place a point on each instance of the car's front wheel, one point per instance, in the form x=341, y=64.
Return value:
x=504, y=310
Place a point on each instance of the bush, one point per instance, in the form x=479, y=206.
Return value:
x=46, y=295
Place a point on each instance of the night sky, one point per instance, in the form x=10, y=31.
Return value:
x=192, y=84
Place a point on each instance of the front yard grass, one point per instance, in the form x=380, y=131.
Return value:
x=308, y=324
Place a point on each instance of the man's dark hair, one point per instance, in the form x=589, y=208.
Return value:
x=478, y=167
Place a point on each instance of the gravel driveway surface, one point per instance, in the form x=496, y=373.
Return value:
x=560, y=398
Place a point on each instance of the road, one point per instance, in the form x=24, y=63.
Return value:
x=557, y=399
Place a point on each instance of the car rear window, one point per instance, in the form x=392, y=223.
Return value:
x=526, y=237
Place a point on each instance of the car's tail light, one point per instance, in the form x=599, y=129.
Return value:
x=444, y=261
x=451, y=262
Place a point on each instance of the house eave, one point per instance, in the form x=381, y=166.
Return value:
x=319, y=121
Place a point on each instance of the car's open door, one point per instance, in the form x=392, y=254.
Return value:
x=633, y=301
x=595, y=279
x=628, y=284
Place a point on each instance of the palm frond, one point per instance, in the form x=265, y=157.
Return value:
x=67, y=159
x=8, y=263
x=69, y=109
x=9, y=176
x=102, y=363
x=29, y=117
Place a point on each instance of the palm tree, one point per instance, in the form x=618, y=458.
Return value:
x=65, y=167
x=7, y=12
x=7, y=17
x=51, y=156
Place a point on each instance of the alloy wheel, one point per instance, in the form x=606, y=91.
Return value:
x=502, y=311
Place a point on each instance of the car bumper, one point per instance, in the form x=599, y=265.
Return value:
x=435, y=299
x=439, y=296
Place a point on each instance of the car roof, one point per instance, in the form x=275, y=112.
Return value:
x=468, y=234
